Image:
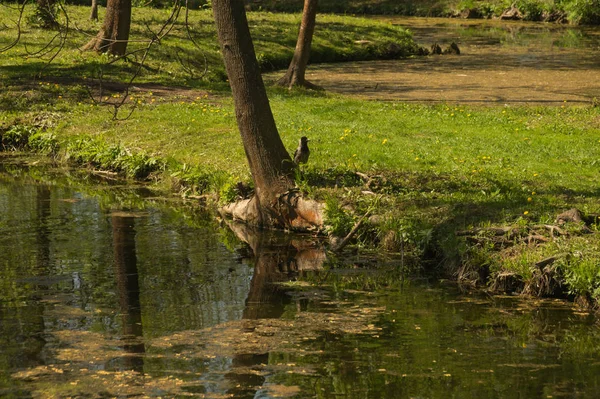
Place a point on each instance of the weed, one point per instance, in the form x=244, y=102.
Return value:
x=338, y=220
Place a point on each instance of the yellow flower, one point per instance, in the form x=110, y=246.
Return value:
x=526, y=212
x=384, y=141
x=529, y=199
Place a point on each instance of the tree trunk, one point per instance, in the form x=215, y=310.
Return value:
x=114, y=34
x=270, y=163
x=297, y=69
x=94, y=11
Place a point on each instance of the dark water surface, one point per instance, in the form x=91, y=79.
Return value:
x=107, y=292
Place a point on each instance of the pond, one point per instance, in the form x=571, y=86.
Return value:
x=501, y=62
x=110, y=291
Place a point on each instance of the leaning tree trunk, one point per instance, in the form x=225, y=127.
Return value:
x=94, y=11
x=297, y=69
x=114, y=34
x=273, y=203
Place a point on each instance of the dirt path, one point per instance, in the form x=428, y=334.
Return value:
x=500, y=63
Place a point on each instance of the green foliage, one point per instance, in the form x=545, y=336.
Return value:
x=583, y=11
x=97, y=153
x=582, y=273
x=42, y=142
x=17, y=137
x=45, y=14
x=338, y=220
x=532, y=10
x=401, y=233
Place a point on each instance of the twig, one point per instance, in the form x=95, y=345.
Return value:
x=346, y=239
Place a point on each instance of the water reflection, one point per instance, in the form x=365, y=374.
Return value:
x=153, y=302
x=128, y=291
x=276, y=258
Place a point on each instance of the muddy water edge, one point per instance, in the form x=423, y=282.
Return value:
x=111, y=291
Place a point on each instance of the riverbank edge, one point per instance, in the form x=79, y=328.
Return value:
x=469, y=257
x=571, y=12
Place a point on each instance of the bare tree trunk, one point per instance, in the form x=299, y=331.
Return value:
x=114, y=34
x=270, y=163
x=295, y=75
x=94, y=11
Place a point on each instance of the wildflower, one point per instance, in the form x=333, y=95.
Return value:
x=384, y=141
x=526, y=213
x=529, y=199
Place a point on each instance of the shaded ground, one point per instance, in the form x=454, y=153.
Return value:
x=501, y=62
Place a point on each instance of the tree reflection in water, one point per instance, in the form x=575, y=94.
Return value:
x=128, y=291
x=277, y=258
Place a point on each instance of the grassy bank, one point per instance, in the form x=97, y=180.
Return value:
x=440, y=177
x=175, y=60
x=473, y=192
x=573, y=11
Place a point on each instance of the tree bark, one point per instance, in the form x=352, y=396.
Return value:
x=94, y=11
x=114, y=34
x=270, y=163
x=295, y=75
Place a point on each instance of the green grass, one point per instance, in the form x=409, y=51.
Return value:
x=175, y=60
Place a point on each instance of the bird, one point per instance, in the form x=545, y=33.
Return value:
x=302, y=152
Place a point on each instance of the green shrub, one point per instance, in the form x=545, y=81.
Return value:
x=17, y=137
x=532, y=10
x=585, y=12
x=338, y=221
x=86, y=150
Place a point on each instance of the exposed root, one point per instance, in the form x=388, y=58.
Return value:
x=291, y=212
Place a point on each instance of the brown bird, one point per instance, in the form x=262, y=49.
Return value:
x=302, y=152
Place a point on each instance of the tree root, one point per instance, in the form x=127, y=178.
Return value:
x=291, y=211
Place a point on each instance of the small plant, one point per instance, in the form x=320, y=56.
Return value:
x=532, y=10
x=339, y=222
x=17, y=137
x=85, y=150
x=44, y=143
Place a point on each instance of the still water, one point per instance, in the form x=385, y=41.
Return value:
x=107, y=291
